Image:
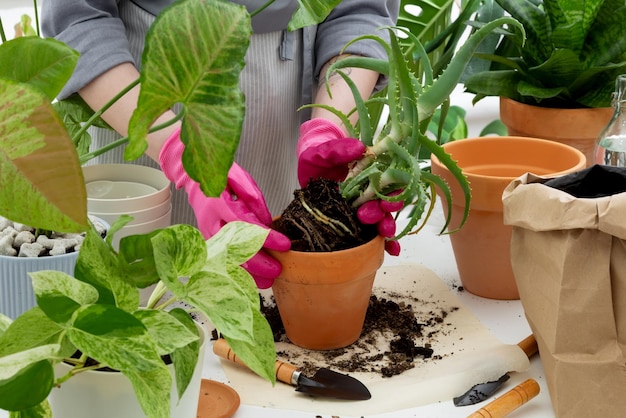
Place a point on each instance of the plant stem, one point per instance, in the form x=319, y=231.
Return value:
x=124, y=140
x=103, y=109
x=157, y=294
x=260, y=9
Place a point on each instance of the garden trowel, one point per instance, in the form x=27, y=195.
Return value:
x=482, y=391
x=325, y=382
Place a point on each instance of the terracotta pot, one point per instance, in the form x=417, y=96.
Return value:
x=323, y=297
x=482, y=246
x=578, y=128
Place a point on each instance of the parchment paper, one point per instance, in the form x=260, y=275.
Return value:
x=470, y=354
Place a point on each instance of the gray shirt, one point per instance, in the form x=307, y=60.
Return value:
x=95, y=30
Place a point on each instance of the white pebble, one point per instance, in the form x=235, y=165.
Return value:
x=31, y=250
x=23, y=238
x=6, y=246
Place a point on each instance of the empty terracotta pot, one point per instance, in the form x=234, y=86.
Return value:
x=322, y=297
x=482, y=246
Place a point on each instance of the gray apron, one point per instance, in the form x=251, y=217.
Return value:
x=272, y=84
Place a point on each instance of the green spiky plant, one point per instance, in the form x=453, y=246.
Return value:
x=568, y=55
x=96, y=312
x=391, y=168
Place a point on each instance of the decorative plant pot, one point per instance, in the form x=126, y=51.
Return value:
x=578, y=128
x=16, y=289
x=99, y=394
x=322, y=297
x=128, y=189
x=482, y=246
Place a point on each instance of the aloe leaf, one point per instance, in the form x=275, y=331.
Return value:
x=366, y=130
x=36, y=157
x=456, y=171
x=45, y=64
x=311, y=12
x=203, y=77
x=432, y=97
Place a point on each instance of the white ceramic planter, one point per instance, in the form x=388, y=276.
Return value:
x=95, y=394
x=128, y=189
x=16, y=290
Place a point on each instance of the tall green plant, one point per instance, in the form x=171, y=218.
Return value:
x=568, y=55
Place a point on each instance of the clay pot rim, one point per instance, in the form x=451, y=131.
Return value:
x=449, y=147
x=372, y=243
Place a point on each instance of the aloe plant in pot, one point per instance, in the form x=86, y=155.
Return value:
x=390, y=170
x=97, y=313
x=566, y=59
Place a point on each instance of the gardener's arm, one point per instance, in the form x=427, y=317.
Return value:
x=104, y=87
x=338, y=93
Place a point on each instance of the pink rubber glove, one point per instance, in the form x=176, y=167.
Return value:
x=240, y=201
x=324, y=151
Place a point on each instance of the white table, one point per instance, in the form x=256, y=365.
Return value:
x=504, y=318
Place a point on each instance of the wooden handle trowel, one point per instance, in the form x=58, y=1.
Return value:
x=325, y=382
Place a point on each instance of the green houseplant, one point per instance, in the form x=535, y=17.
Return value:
x=96, y=313
x=567, y=57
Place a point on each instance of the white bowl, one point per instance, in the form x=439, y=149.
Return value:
x=142, y=228
x=107, y=189
x=139, y=216
x=125, y=174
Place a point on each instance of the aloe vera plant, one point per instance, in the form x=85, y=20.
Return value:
x=568, y=55
x=391, y=168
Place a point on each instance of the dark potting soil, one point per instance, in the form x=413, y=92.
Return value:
x=405, y=338
x=320, y=219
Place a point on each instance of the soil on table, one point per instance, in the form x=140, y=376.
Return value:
x=399, y=333
x=320, y=219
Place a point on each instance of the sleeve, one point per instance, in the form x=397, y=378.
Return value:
x=350, y=19
x=94, y=29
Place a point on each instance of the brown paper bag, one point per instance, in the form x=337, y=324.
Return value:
x=569, y=259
